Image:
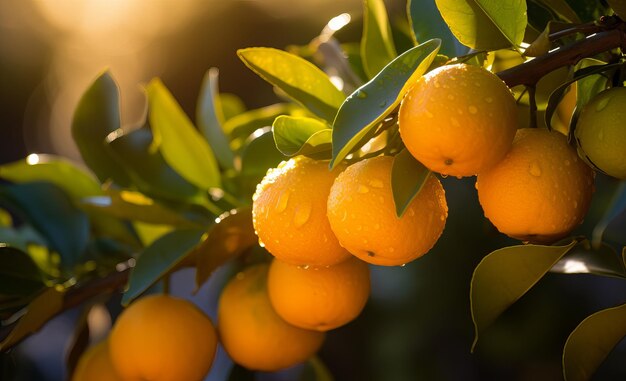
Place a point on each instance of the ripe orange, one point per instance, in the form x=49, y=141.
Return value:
x=95, y=365
x=289, y=213
x=540, y=191
x=319, y=299
x=159, y=337
x=362, y=214
x=252, y=333
x=458, y=119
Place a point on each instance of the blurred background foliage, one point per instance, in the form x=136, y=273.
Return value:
x=417, y=324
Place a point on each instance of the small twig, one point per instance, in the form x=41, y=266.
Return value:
x=532, y=105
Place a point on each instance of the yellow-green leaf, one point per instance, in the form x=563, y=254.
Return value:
x=182, y=146
x=228, y=238
x=485, y=24
x=302, y=81
x=209, y=118
x=505, y=275
x=39, y=311
x=589, y=344
x=408, y=176
x=377, y=48
x=302, y=136
x=53, y=169
x=373, y=101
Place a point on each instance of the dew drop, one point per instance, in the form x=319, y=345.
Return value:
x=376, y=226
x=359, y=228
x=472, y=109
x=442, y=217
x=477, y=84
x=365, y=241
x=325, y=238
x=534, y=169
x=402, y=265
x=448, y=161
x=361, y=94
x=489, y=99
x=451, y=97
x=261, y=243
x=302, y=215
x=437, y=85
x=567, y=163
x=362, y=189
x=382, y=104
x=411, y=212
x=376, y=183
x=444, y=175
x=575, y=204
x=391, y=249
x=371, y=254
x=455, y=122
x=428, y=114
x=281, y=204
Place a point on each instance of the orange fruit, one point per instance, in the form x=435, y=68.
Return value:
x=95, y=365
x=540, y=191
x=458, y=119
x=319, y=299
x=159, y=337
x=289, y=213
x=362, y=214
x=252, y=333
x=601, y=132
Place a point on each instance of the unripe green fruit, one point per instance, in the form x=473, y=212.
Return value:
x=601, y=132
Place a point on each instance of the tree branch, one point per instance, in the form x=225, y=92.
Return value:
x=530, y=72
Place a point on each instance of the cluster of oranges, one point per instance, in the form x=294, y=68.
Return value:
x=325, y=227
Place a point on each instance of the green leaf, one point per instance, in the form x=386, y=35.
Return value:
x=619, y=7
x=210, y=120
x=504, y=276
x=299, y=79
x=592, y=341
x=182, y=146
x=242, y=125
x=260, y=154
x=302, y=136
x=559, y=92
x=135, y=206
x=616, y=207
x=408, y=176
x=562, y=9
x=315, y=370
x=426, y=23
x=5, y=218
x=372, y=102
x=39, y=311
x=19, y=274
x=147, y=168
x=52, y=213
x=231, y=106
x=232, y=234
x=158, y=259
x=96, y=116
x=377, y=48
x=54, y=169
x=584, y=259
x=485, y=24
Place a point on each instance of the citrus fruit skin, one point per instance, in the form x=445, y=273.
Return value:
x=540, y=191
x=362, y=214
x=319, y=299
x=252, y=333
x=458, y=120
x=289, y=213
x=601, y=132
x=95, y=365
x=162, y=338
